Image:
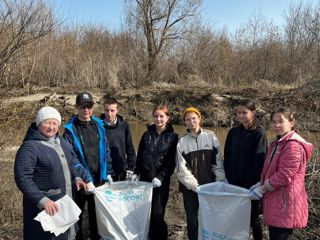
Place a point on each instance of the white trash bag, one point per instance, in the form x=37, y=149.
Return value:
x=123, y=210
x=224, y=212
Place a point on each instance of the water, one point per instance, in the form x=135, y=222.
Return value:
x=139, y=127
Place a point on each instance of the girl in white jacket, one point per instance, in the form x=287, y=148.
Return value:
x=199, y=161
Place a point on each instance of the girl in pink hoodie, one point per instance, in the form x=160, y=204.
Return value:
x=285, y=205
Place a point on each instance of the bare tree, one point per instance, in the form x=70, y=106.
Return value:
x=257, y=48
x=162, y=22
x=22, y=23
x=302, y=32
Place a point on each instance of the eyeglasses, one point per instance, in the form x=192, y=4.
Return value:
x=86, y=106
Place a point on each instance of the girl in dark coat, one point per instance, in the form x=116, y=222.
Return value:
x=156, y=163
x=244, y=153
x=44, y=170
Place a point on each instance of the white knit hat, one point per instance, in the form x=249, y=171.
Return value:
x=47, y=113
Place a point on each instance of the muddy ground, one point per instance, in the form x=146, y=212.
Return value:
x=18, y=109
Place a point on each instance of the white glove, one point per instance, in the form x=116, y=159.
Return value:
x=258, y=184
x=129, y=174
x=197, y=190
x=134, y=178
x=156, y=182
x=109, y=179
x=90, y=188
x=256, y=193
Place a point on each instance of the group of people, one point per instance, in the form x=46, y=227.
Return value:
x=95, y=150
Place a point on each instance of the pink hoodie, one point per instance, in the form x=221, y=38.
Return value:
x=285, y=203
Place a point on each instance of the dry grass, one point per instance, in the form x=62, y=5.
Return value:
x=312, y=186
x=10, y=204
x=16, y=117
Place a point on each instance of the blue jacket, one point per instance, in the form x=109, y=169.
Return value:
x=38, y=174
x=104, y=152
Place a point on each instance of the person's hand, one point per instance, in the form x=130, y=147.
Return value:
x=80, y=184
x=134, y=178
x=156, y=182
x=90, y=188
x=258, y=184
x=109, y=179
x=195, y=188
x=51, y=208
x=256, y=193
x=129, y=174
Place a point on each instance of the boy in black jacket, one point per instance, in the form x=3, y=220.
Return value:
x=118, y=134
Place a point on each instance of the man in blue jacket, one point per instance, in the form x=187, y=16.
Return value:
x=118, y=134
x=87, y=135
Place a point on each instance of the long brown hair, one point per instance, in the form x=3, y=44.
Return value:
x=250, y=105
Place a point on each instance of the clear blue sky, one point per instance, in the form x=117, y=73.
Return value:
x=216, y=13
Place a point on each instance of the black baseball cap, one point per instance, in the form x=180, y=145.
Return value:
x=84, y=98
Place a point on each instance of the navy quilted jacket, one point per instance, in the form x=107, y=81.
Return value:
x=38, y=174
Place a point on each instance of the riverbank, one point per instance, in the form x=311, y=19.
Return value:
x=217, y=105
x=19, y=107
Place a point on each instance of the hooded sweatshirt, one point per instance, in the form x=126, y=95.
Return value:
x=122, y=151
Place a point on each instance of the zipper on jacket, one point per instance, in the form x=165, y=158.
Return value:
x=157, y=138
x=197, y=142
x=273, y=153
x=283, y=196
x=197, y=158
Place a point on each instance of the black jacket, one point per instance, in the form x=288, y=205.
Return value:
x=119, y=137
x=156, y=154
x=244, y=154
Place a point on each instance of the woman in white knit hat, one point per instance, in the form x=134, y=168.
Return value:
x=45, y=169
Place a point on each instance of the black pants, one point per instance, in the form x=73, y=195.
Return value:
x=158, y=227
x=81, y=198
x=255, y=221
x=119, y=177
x=276, y=233
x=191, y=206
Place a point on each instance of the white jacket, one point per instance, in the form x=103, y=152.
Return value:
x=199, y=159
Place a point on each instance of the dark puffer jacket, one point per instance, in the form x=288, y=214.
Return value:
x=39, y=174
x=156, y=154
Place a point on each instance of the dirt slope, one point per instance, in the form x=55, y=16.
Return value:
x=18, y=109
